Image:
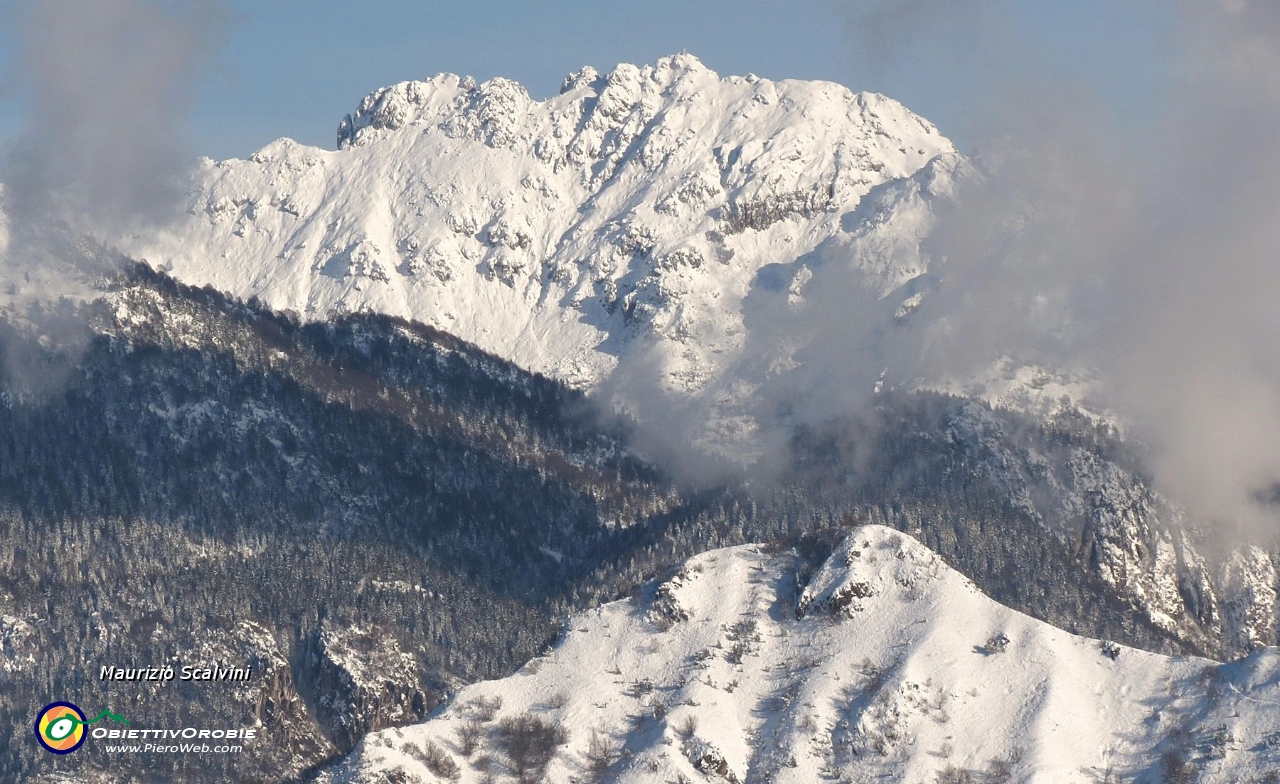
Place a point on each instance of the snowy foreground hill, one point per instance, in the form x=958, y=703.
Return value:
x=882, y=664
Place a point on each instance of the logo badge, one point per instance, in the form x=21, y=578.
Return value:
x=60, y=727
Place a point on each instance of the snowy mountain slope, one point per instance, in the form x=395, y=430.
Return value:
x=630, y=214
x=692, y=246
x=885, y=664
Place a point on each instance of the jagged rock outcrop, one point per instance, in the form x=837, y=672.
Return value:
x=360, y=680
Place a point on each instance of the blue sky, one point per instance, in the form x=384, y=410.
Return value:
x=294, y=67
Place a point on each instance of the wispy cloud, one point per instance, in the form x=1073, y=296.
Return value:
x=107, y=85
x=1148, y=252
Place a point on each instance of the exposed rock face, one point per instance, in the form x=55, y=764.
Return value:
x=270, y=696
x=362, y=681
x=1135, y=541
x=1249, y=599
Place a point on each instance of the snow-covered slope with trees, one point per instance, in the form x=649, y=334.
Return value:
x=883, y=664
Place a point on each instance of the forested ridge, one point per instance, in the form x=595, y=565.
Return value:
x=371, y=512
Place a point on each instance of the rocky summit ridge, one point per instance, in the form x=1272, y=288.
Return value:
x=630, y=215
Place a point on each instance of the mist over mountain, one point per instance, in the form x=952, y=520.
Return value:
x=724, y=259
x=613, y=236
x=682, y=244
x=209, y=454
x=372, y=514
x=377, y=420
x=1134, y=243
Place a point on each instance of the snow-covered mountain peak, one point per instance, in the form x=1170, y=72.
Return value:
x=872, y=562
x=626, y=218
x=885, y=665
